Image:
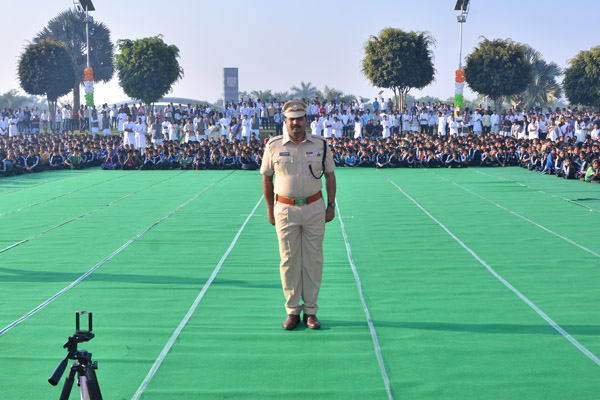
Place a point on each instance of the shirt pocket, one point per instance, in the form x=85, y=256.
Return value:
x=314, y=164
x=284, y=166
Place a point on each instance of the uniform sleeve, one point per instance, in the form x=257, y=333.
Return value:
x=329, y=164
x=266, y=167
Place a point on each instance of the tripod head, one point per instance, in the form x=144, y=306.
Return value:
x=82, y=356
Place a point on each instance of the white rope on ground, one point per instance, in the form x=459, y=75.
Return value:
x=535, y=308
x=384, y=374
x=84, y=215
x=95, y=267
x=566, y=239
x=191, y=311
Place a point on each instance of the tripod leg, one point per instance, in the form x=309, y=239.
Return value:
x=83, y=389
x=92, y=383
x=68, y=385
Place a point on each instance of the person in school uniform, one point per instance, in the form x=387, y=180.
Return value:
x=327, y=127
x=406, y=121
x=13, y=130
x=533, y=130
x=173, y=130
x=358, y=128
x=140, y=134
x=105, y=122
x=386, y=125
x=246, y=127
x=111, y=161
x=337, y=127
x=190, y=133
x=476, y=121
x=33, y=162
x=316, y=126
x=122, y=119
x=494, y=123
x=128, y=132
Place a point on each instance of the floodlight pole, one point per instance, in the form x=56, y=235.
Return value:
x=87, y=48
x=87, y=36
x=460, y=22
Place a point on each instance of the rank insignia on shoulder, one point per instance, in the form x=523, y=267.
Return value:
x=313, y=154
x=284, y=153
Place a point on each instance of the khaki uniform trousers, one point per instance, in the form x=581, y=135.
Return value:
x=300, y=230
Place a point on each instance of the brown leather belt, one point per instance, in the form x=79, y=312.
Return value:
x=299, y=202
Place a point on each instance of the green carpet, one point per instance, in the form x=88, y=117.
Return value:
x=447, y=327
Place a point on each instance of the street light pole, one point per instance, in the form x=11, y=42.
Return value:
x=87, y=51
x=87, y=6
x=463, y=7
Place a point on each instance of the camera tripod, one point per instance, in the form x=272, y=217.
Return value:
x=83, y=365
x=86, y=376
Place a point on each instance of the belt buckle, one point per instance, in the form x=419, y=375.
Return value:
x=299, y=202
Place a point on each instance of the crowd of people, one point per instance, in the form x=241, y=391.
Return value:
x=561, y=142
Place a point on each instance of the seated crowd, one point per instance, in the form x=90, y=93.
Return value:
x=560, y=142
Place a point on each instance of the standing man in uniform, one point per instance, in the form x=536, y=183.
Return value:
x=296, y=207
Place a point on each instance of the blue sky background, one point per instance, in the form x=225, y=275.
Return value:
x=277, y=44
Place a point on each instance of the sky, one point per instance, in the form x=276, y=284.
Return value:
x=278, y=44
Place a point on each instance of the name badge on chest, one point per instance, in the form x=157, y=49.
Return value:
x=285, y=153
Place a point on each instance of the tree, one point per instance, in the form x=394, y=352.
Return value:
x=582, y=78
x=281, y=96
x=305, y=91
x=69, y=27
x=544, y=88
x=399, y=61
x=13, y=99
x=47, y=69
x=147, y=68
x=498, y=68
x=263, y=95
x=331, y=94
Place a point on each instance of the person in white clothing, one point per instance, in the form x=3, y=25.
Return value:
x=337, y=127
x=3, y=126
x=140, y=134
x=173, y=130
x=495, y=120
x=246, y=127
x=358, y=127
x=316, y=127
x=406, y=119
x=128, y=132
x=476, y=121
x=454, y=126
x=533, y=130
x=442, y=123
x=387, y=127
x=122, y=119
x=327, y=127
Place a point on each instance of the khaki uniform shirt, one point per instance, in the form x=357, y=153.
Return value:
x=289, y=163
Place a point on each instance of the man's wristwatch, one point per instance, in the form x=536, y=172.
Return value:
x=332, y=204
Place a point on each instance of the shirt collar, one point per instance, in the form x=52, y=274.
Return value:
x=307, y=137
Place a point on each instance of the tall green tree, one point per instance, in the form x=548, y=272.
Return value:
x=332, y=94
x=304, y=91
x=69, y=28
x=263, y=95
x=13, y=99
x=147, y=68
x=399, y=61
x=498, y=68
x=47, y=69
x=544, y=87
x=582, y=78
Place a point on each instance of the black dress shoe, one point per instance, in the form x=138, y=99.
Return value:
x=311, y=321
x=291, y=322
